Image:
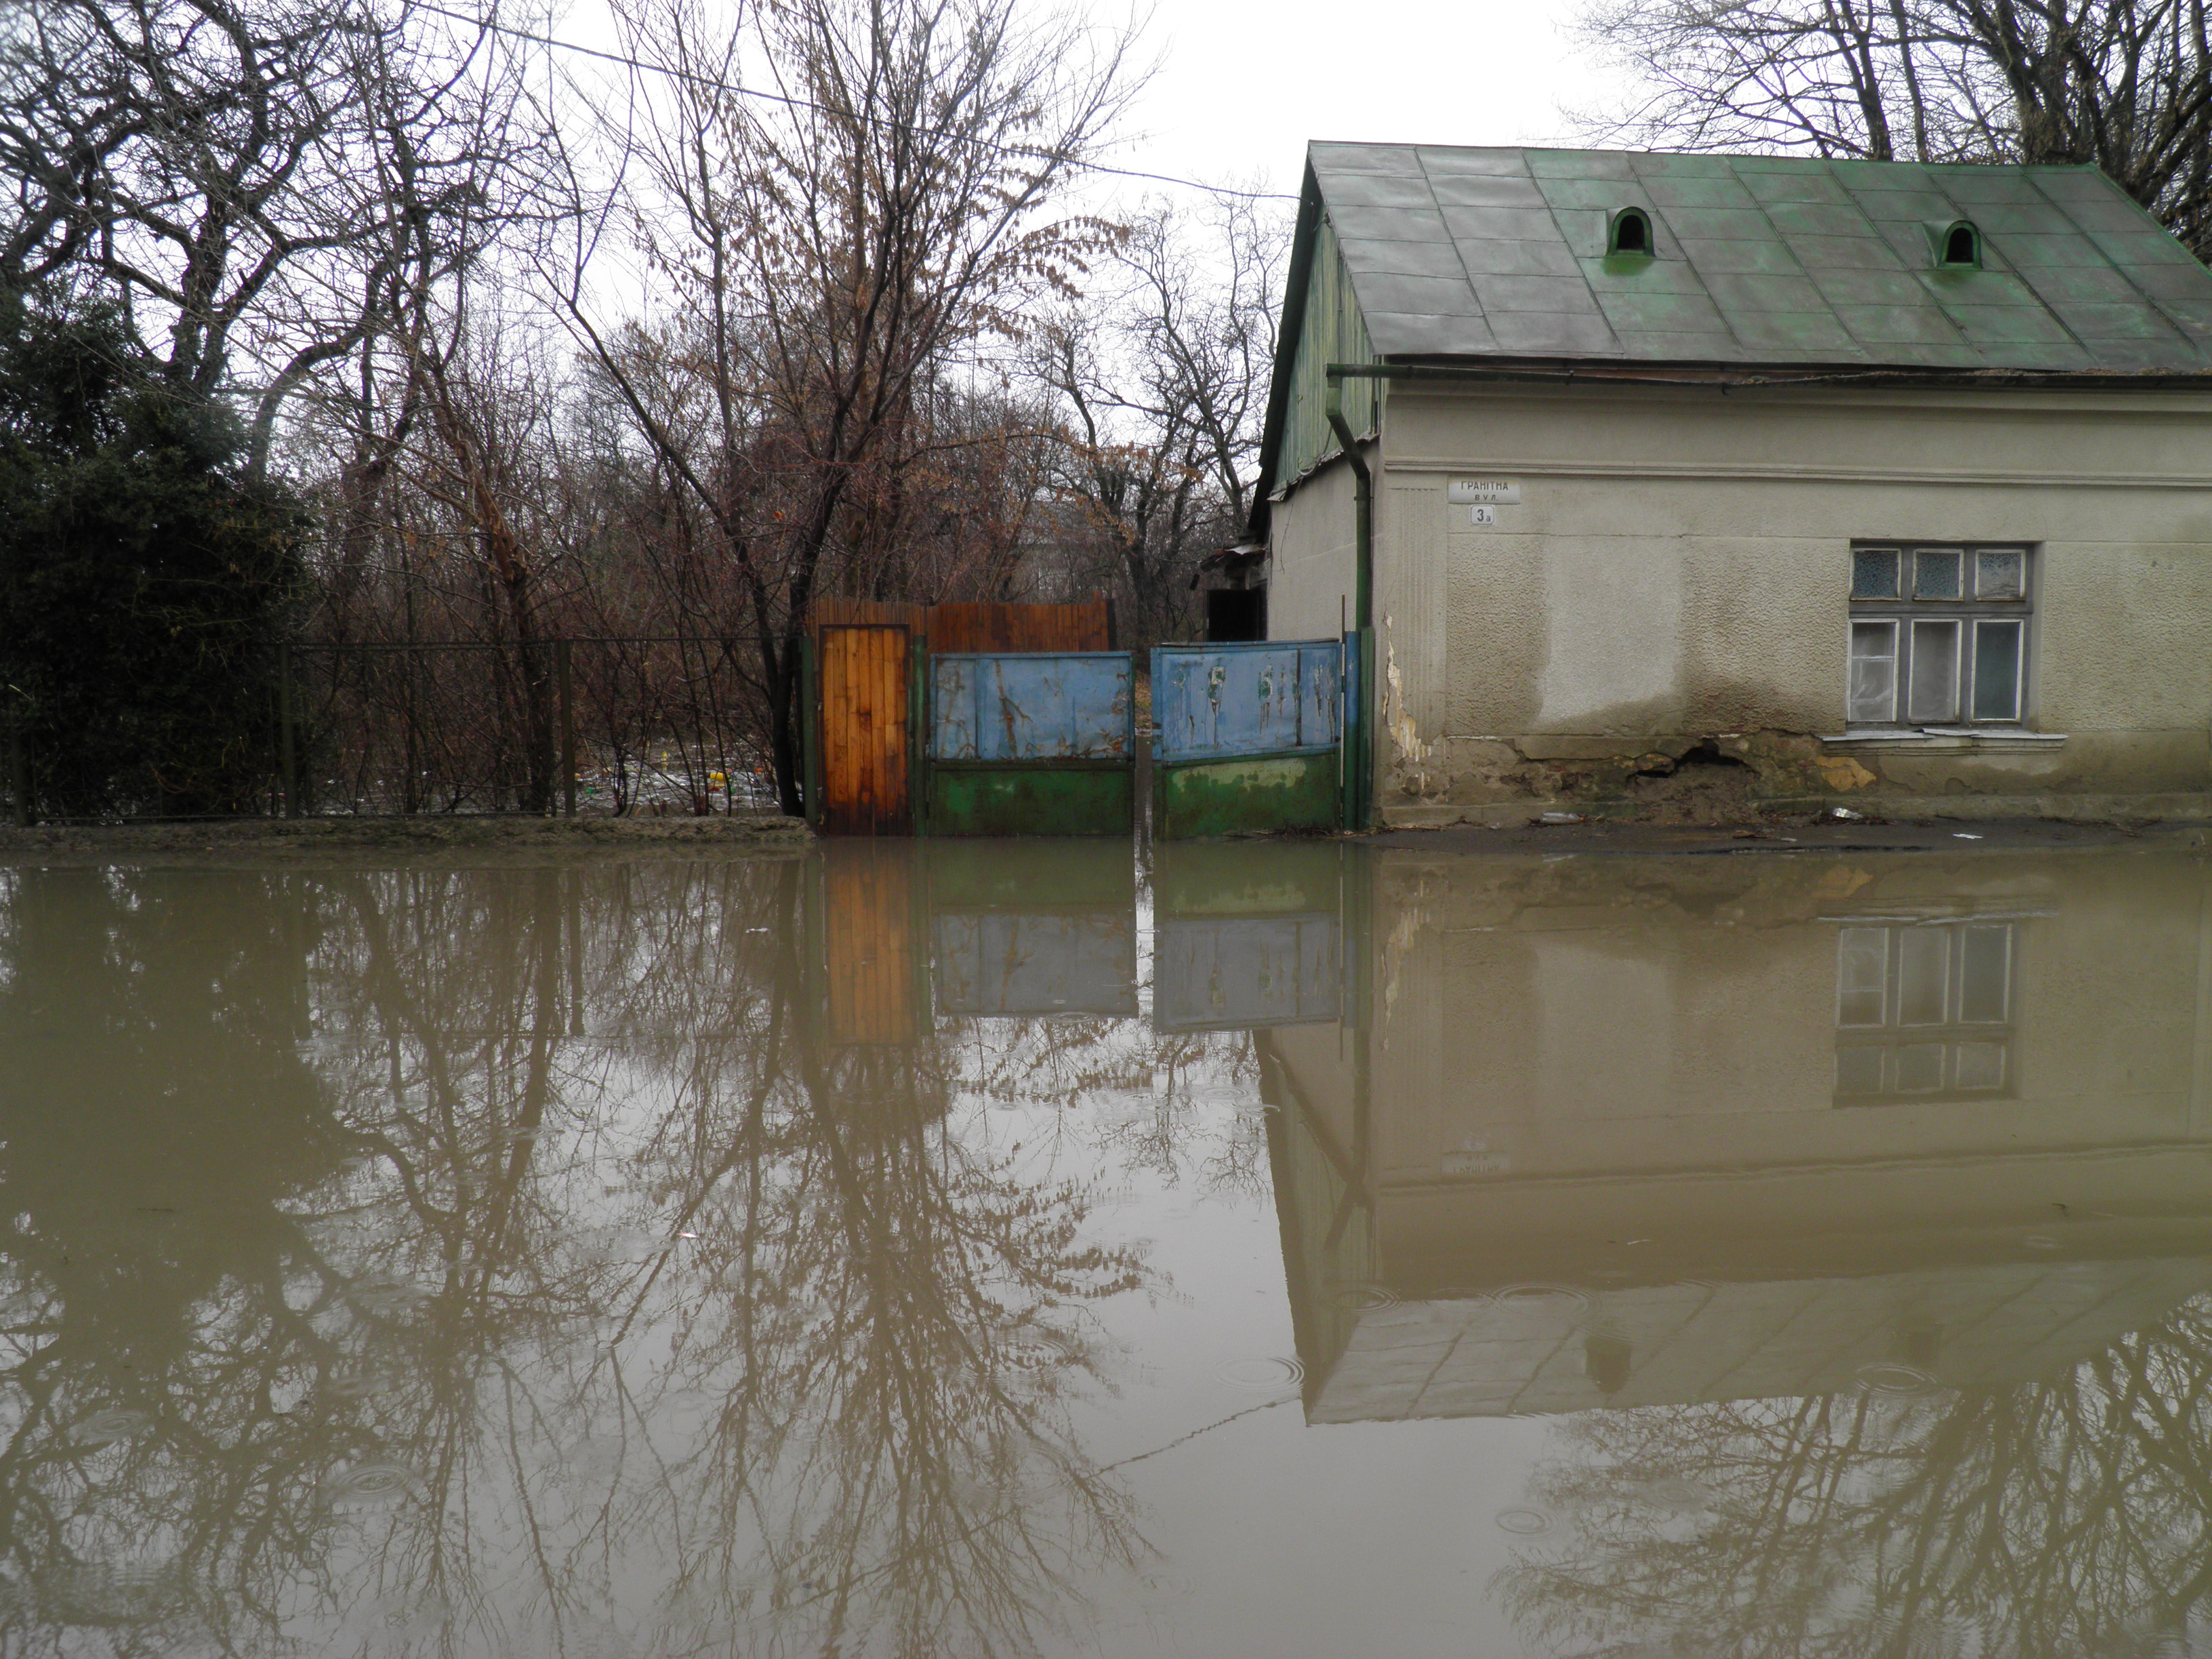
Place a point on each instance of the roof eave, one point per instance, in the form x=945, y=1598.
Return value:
x=1614, y=371
x=1296, y=280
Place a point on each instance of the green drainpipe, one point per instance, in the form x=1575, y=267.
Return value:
x=1359, y=785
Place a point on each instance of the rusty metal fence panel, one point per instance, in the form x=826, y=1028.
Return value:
x=1032, y=744
x=1035, y=707
x=1247, y=738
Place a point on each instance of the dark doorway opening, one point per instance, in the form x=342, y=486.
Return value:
x=1235, y=615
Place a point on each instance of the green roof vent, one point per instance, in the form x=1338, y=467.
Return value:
x=1630, y=232
x=1957, y=244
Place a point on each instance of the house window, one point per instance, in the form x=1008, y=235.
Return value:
x=1962, y=246
x=1631, y=232
x=1924, y=1009
x=1938, y=636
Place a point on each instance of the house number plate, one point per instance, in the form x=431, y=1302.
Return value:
x=1482, y=514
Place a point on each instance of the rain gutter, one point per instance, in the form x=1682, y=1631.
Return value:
x=1358, y=780
x=1363, y=499
x=1726, y=379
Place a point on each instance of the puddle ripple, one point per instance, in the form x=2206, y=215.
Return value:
x=384, y=1295
x=1549, y=1298
x=1524, y=1523
x=1895, y=1376
x=1262, y=1373
x=1366, y=1298
x=371, y=1485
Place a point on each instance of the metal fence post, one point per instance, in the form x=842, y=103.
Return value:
x=917, y=733
x=19, y=769
x=288, y=752
x=561, y=667
x=809, y=728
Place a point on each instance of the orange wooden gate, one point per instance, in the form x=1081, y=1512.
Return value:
x=866, y=743
x=874, y=983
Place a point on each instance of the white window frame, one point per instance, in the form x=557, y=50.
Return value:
x=1915, y=1023
x=1891, y=641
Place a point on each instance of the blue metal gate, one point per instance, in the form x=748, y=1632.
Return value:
x=1248, y=737
x=1032, y=744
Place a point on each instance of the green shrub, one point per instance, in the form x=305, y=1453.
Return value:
x=144, y=578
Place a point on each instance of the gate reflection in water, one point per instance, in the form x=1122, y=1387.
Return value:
x=1241, y=943
x=955, y=1248
x=1033, y=927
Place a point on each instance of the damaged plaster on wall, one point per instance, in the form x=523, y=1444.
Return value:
x=1413, y=755
x=1687, y=778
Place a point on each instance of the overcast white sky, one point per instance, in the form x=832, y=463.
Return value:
x=1242, y=86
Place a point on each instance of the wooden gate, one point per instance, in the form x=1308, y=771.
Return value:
x=865, y=672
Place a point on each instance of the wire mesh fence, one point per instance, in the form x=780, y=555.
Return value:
x=646, y=724
x=658, y=725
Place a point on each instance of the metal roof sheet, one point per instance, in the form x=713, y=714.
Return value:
x=1773, y=260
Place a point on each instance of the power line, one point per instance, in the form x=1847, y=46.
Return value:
x=713, y=84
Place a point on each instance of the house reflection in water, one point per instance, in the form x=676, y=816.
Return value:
x=1612, y=1132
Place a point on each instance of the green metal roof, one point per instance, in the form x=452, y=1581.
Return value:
x=1773, y=260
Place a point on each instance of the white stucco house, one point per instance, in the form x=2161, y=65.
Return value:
x=1853, y=481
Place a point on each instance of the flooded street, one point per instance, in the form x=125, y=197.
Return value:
x=971, y=1249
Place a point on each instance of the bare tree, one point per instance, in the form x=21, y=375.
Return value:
x=265, y=185
x=1159, y=393
x=826, y=252
x=2115, y=84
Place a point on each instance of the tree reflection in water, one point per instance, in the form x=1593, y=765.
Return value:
x=502, y=1263
x=2039, y=1519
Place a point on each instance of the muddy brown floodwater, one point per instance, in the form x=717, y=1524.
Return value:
x=1003, y=1250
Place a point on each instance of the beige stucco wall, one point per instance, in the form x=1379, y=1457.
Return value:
x=1678, y=569
x=1549, y=1062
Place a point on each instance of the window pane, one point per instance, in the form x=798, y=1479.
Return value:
x=1934, y=671
x=1874, y=573
x=1997, y=670
x=1919, y=1068
x=1858, y=1071
x=2002, y=575
x=1936, y=574
x=1980, y=1065
x=1873, y=688
x=1861, y=969
x=1985, y=975
x=1923, y=974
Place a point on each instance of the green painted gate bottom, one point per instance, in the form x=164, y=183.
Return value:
x=1065, y=798
x=1250, y=794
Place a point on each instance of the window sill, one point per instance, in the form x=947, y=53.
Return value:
x=1949, y=739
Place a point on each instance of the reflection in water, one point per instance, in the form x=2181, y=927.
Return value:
x=1924, y=1008
x=505, y=1249
x=884, y=1250
x=1926, y=1380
